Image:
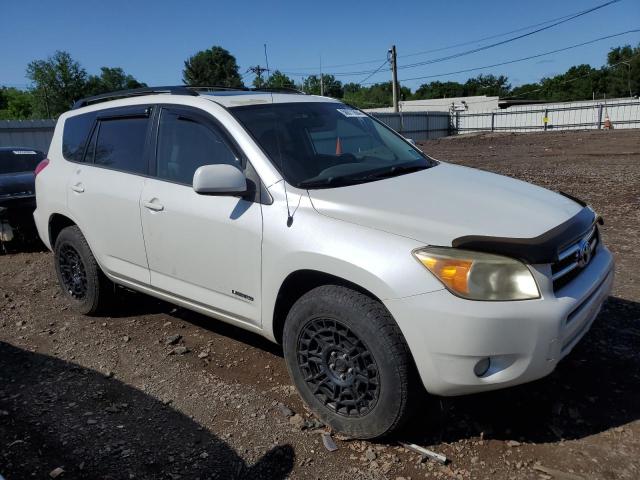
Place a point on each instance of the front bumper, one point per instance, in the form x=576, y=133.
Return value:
x=525, y=340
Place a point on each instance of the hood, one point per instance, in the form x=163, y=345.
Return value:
x=445, y=202
x=17, y=183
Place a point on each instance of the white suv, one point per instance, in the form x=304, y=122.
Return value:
x=309, y=222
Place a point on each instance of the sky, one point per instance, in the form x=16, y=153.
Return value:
x=151, y=39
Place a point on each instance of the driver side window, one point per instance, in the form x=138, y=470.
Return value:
x=185, y=144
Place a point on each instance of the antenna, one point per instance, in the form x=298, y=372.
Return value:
x=284, y=181
x=321, y=79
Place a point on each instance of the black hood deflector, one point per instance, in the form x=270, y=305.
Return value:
x=541, y=249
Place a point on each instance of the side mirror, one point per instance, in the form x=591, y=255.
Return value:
x=411, y=141
x=220, y=179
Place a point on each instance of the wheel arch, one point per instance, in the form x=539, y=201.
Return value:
x=298, y=283
x=58, y=222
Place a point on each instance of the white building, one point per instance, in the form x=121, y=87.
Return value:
x=461, y=104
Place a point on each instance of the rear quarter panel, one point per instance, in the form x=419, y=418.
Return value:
x=51, y=185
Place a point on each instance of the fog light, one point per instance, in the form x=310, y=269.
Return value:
x=482, y=367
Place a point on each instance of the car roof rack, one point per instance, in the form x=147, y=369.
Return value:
x=214, y=88
x=175, y=90
x=134, y=92
x=278, y=89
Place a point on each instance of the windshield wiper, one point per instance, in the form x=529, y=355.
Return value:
x=324, y=182
x=353, y=180
x=393, y=172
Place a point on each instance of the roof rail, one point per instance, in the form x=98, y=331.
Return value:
x=278, y=89
x=135, y=92
x=213, y=88
x=175, y=90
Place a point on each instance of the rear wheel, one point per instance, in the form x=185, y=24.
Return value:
x=349, y=361
x=79, y=275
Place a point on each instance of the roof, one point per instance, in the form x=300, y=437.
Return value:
x=241, y=98
x=226, y=96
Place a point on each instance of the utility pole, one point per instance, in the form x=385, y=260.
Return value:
x=394, y=77
x=258, y=70
x=321, y=79
x=628, y=77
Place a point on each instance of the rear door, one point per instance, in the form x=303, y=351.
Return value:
x=206, y=249
x=105, y=188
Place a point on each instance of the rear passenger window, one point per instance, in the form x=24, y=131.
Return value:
x=74, y=136
x=184, y=144
x=120, y=144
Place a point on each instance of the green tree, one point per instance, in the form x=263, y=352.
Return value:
x=352, y=88
x=439, y=89
x=15, y=104
x=58, y=81
x=212, y=67
x=332, y=87
x=489, y=85
x=625, y=74
x=277, y=80
x=111, y=80
x=376, y=95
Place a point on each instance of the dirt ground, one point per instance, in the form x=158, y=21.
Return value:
x=112, y=398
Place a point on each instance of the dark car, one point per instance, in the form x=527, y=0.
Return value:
x=17, y=192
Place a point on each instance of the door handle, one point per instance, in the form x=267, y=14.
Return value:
x=78, y=188
x=156, y=207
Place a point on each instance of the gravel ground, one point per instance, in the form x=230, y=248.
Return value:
x=157, y=392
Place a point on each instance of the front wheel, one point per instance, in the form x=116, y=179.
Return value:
x=349, y=361
x=79, y=275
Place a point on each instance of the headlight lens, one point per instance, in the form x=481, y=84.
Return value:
x=479, y=276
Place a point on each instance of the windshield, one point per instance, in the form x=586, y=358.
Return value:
x=327, y=144
x=18, y=160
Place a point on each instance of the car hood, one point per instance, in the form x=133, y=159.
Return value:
x=439, y=204
x=17, y=184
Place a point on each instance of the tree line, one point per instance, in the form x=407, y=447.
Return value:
x=58, y=81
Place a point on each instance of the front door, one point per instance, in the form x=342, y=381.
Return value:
x=205, y=249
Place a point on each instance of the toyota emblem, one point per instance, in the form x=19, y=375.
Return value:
x=584, y=253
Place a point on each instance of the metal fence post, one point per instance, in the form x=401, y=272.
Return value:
x=457, y=122
x=546, y=118
x=599, y=116
x=493, y=121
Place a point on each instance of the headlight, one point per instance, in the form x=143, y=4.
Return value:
x=479, y=276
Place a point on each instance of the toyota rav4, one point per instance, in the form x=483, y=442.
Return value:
x=310, y=222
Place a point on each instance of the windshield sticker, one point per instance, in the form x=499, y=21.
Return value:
x=24, y=152
x=350, y=112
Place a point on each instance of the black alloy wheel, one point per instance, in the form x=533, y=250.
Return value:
x=338, y=367
x=72, y=272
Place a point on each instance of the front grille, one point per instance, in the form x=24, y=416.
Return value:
x=570, y=262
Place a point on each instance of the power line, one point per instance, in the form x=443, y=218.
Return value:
x=557, y=20
x=490, y=37
x=508, y=40
x=335, y=74
x=373, y=73
x=520, y=59
x=607, y=67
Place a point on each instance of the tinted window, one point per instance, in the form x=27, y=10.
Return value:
x=74, y=137
x=19, y=160
x=120, y=144
x=184, y=144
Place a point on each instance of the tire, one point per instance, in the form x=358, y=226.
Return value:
x=377, y=381
x=80, y=278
